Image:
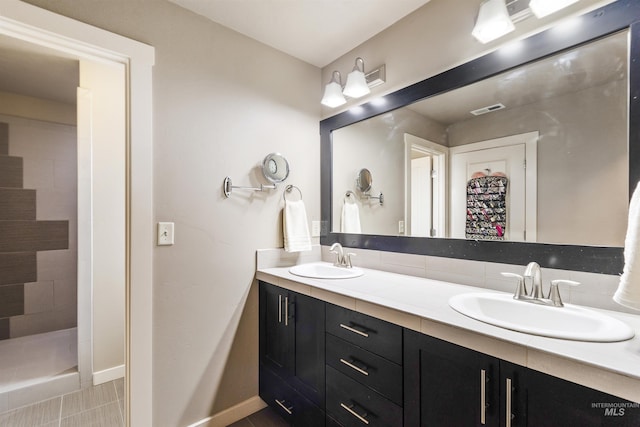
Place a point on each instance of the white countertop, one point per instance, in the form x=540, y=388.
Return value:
x=422, y=304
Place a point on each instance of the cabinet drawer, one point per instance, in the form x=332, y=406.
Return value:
x=294, y=408
x=375, y=335
x=352, y=404
x=367, y=368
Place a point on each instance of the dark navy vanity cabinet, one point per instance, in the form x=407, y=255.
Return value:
x=364, y=369
x=324, y=365
x=292, y=375
x=449, y=385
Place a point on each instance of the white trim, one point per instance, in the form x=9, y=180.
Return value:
x=39, y=26
x=441, y=153
x=233, y=414
x=109, y=374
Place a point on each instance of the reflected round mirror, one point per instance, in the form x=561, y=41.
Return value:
x=364, y=180
x=275, y=168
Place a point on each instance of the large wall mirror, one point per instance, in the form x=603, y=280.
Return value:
x=508, y=158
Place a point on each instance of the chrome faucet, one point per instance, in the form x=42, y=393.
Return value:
x=342, y=259
x=533, y=275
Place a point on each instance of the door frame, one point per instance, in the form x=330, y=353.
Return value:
x=32, y=24
x=530, y=140
x=441, y=157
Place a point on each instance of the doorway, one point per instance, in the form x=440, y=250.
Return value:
x=425, y=188
x=37, y=26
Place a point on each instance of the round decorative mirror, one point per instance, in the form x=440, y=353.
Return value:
x=275, y=168
x=364, y=180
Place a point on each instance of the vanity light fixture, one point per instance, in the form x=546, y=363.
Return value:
x=497, y=17
x=493, y=21
x=333, y=96
x=356, y=86
x=542, y=8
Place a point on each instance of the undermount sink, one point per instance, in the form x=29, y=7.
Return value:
x=324, y=270
x=569, y=322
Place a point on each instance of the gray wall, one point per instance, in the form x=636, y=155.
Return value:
x=582, y=161
x=221, y=103
x=378, y=145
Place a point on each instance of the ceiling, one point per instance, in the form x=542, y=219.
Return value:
x=315, y=31
x=28, y=69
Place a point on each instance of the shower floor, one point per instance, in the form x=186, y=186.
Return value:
x=30, y=360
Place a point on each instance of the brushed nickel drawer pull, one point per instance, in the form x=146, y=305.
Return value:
x=281, y=404
x=354, y=413
x=355, y=331
x=279, y=308
x=286, y=311
x=483, y=396
x=354, y=367
x=508, y=415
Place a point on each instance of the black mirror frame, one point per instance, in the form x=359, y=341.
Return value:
x=609, y=19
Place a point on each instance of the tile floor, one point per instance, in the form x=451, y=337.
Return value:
x=98, y=406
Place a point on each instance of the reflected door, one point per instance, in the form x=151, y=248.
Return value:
x=486, y=159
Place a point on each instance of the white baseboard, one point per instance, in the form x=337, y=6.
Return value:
x=233, y=414
x=107, y=375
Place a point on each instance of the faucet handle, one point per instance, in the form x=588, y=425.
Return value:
x=521, y=290
x=554, y=292
x=347, y=258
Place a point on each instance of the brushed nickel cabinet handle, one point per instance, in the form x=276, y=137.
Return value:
x=354, y=413
x=286, y=311
x=279, y=308
x=354, y=367
x=508, y=405
x=483, y=397
x=281, y=404
x=355, y=331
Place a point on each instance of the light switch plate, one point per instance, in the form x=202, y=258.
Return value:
x=315, y=228
x=165, y=233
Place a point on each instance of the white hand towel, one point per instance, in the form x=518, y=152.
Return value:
x=295, y=227
x=350, y=218
x=628, y=293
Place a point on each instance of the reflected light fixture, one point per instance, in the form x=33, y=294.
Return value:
x=493, y=21
x=542, y=8
x=333, y=96
x=356, y=86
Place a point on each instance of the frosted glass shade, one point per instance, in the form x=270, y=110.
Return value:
x=493, y=21
x=356, y=86
x=542, y=8
x=333, y=96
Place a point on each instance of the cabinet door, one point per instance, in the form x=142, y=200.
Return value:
x=448, y=385
x=309, y=366
x=556, y=402
x=276, y=330
x=292, y=339
x=513, y=396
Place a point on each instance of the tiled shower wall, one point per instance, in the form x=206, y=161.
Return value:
x=37, y=227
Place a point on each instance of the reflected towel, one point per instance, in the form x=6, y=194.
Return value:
x=628, y=293
x=295, y=227
x=350, y=218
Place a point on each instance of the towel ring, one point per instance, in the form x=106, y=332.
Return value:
x=349, y=193
x=289, y=189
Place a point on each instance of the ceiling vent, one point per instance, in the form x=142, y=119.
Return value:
x=488, y=109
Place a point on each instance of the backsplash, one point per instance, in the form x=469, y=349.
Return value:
x=595, y=290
